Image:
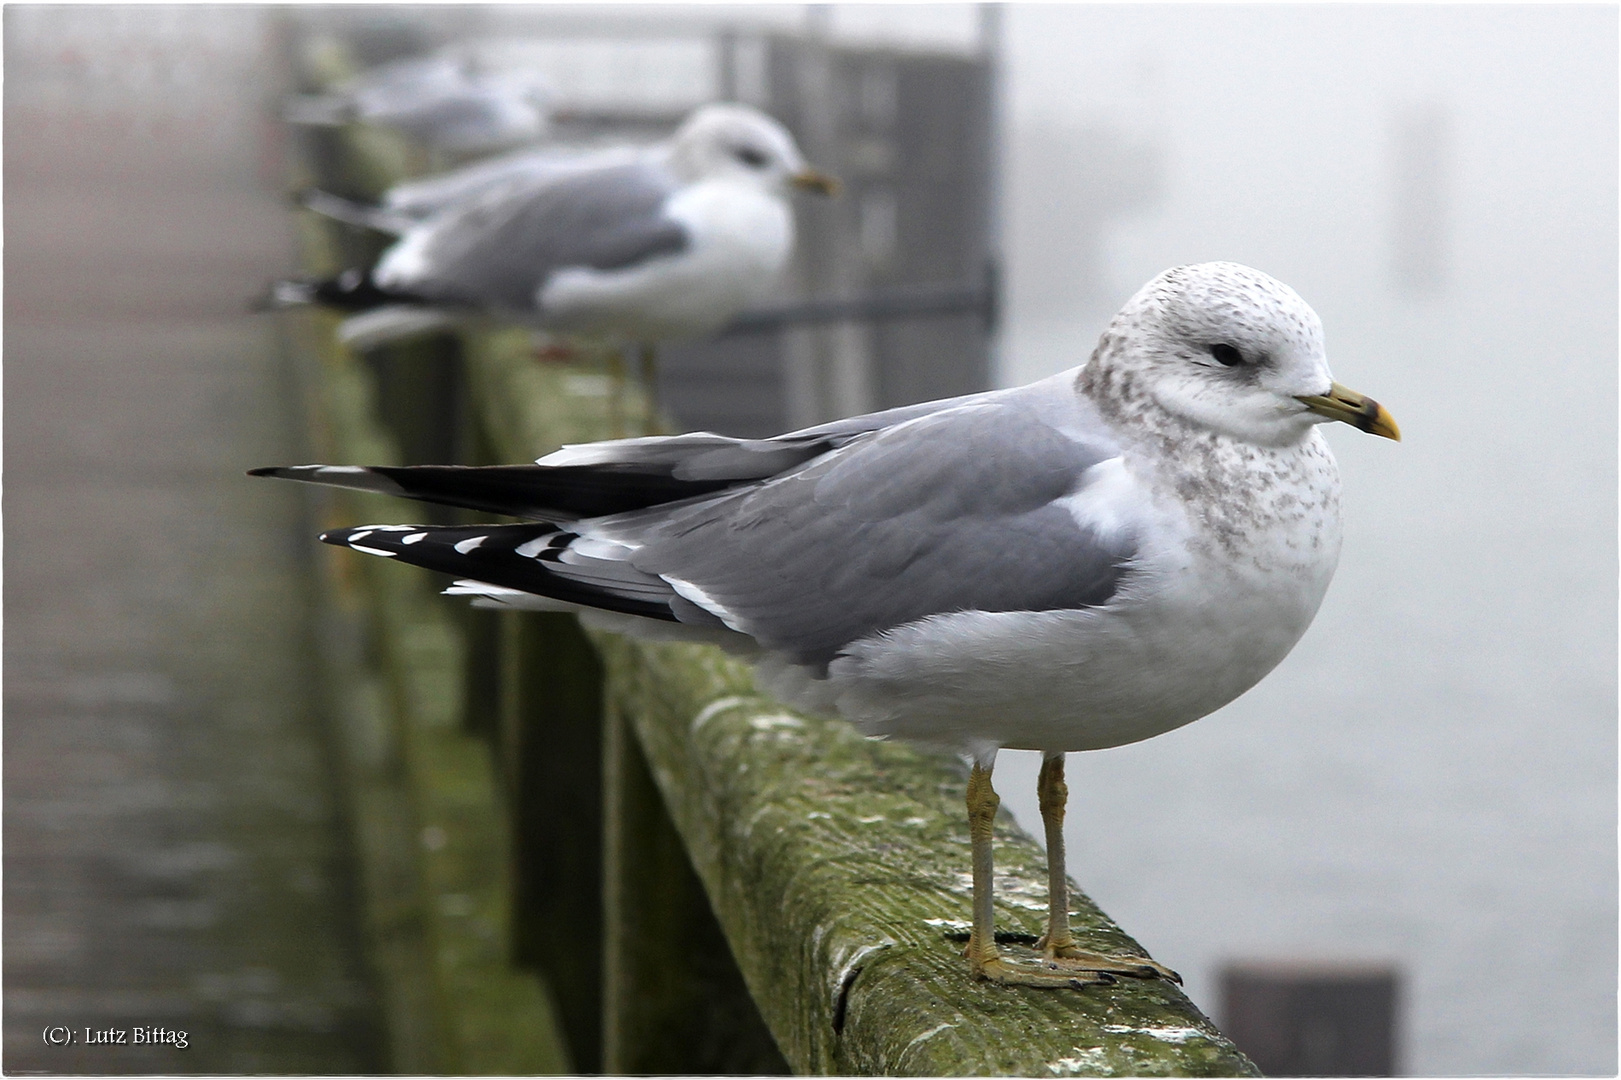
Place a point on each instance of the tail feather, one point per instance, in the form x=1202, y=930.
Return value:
x=352, y=290
x=536, y=492
x=526, y=558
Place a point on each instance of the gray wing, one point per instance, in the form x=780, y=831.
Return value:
x=957, y=511
x=500, y=248
x=703, y=455
x=423, y=198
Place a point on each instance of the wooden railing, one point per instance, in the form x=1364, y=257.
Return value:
x=588, y=853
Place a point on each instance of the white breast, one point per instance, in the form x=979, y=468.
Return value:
x=740, y=237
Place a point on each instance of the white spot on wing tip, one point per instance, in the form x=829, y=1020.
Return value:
x=413, y=538
x=466, y=547
x=371, y=550
x=695, y=594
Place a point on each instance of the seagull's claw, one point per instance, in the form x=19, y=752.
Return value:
x=1072, y=958
x=1047, y=977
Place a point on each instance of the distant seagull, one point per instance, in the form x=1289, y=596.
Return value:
x=447, y=102
x=1084, y=562
x=668, y=241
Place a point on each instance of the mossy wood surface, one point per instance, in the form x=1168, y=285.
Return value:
x=838, y=867
x=676, y=1002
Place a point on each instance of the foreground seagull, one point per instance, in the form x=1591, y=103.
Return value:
x=671, y=241
x=1084, y=562
x=448, y=102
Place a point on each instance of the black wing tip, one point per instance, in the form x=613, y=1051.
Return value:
x=342, y=537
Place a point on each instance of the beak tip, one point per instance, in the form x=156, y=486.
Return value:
x=1383, y=424
x=1358, y=410
x=815, y=180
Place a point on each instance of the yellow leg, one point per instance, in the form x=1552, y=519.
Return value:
x=984, y=961
x=1058, y=945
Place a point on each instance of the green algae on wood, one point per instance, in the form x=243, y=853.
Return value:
x=675, y=1001
x=838, y=867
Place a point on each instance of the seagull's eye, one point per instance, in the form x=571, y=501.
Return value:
x=1226, y=355
x=751, y=157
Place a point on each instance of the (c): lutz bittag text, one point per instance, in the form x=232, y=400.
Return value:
x=62, y=1035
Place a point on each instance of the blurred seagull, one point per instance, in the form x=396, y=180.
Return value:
x=637, y=246
x=1084, y=562
x=448, y=102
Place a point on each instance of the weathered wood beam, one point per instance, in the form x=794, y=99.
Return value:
x=551, y=753
x=675, y=1001
x=838, y=867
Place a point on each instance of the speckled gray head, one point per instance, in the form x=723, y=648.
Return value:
x=726, y=140
x=1226, y=348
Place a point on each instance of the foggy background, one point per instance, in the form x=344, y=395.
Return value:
x=1430, y=777
x=1429, y=780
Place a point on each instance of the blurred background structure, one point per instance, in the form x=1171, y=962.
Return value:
x=1427, y=786
x=174, y=854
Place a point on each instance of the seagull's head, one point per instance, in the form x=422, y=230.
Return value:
x=737, y=142
x=1231, y=349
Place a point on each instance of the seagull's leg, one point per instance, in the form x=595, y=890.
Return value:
x=984, y=961
x=982, y=804
x=1058, y=944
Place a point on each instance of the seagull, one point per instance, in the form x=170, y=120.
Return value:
x=1084, y=562
x=448, y=102
x=671, y=241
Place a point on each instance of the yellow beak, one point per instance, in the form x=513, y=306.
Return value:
x=815, y=180
x=1358, y=410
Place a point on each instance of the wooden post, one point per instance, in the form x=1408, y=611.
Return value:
x=551, y=755
x=1313, y=1019
x=674, y=1000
